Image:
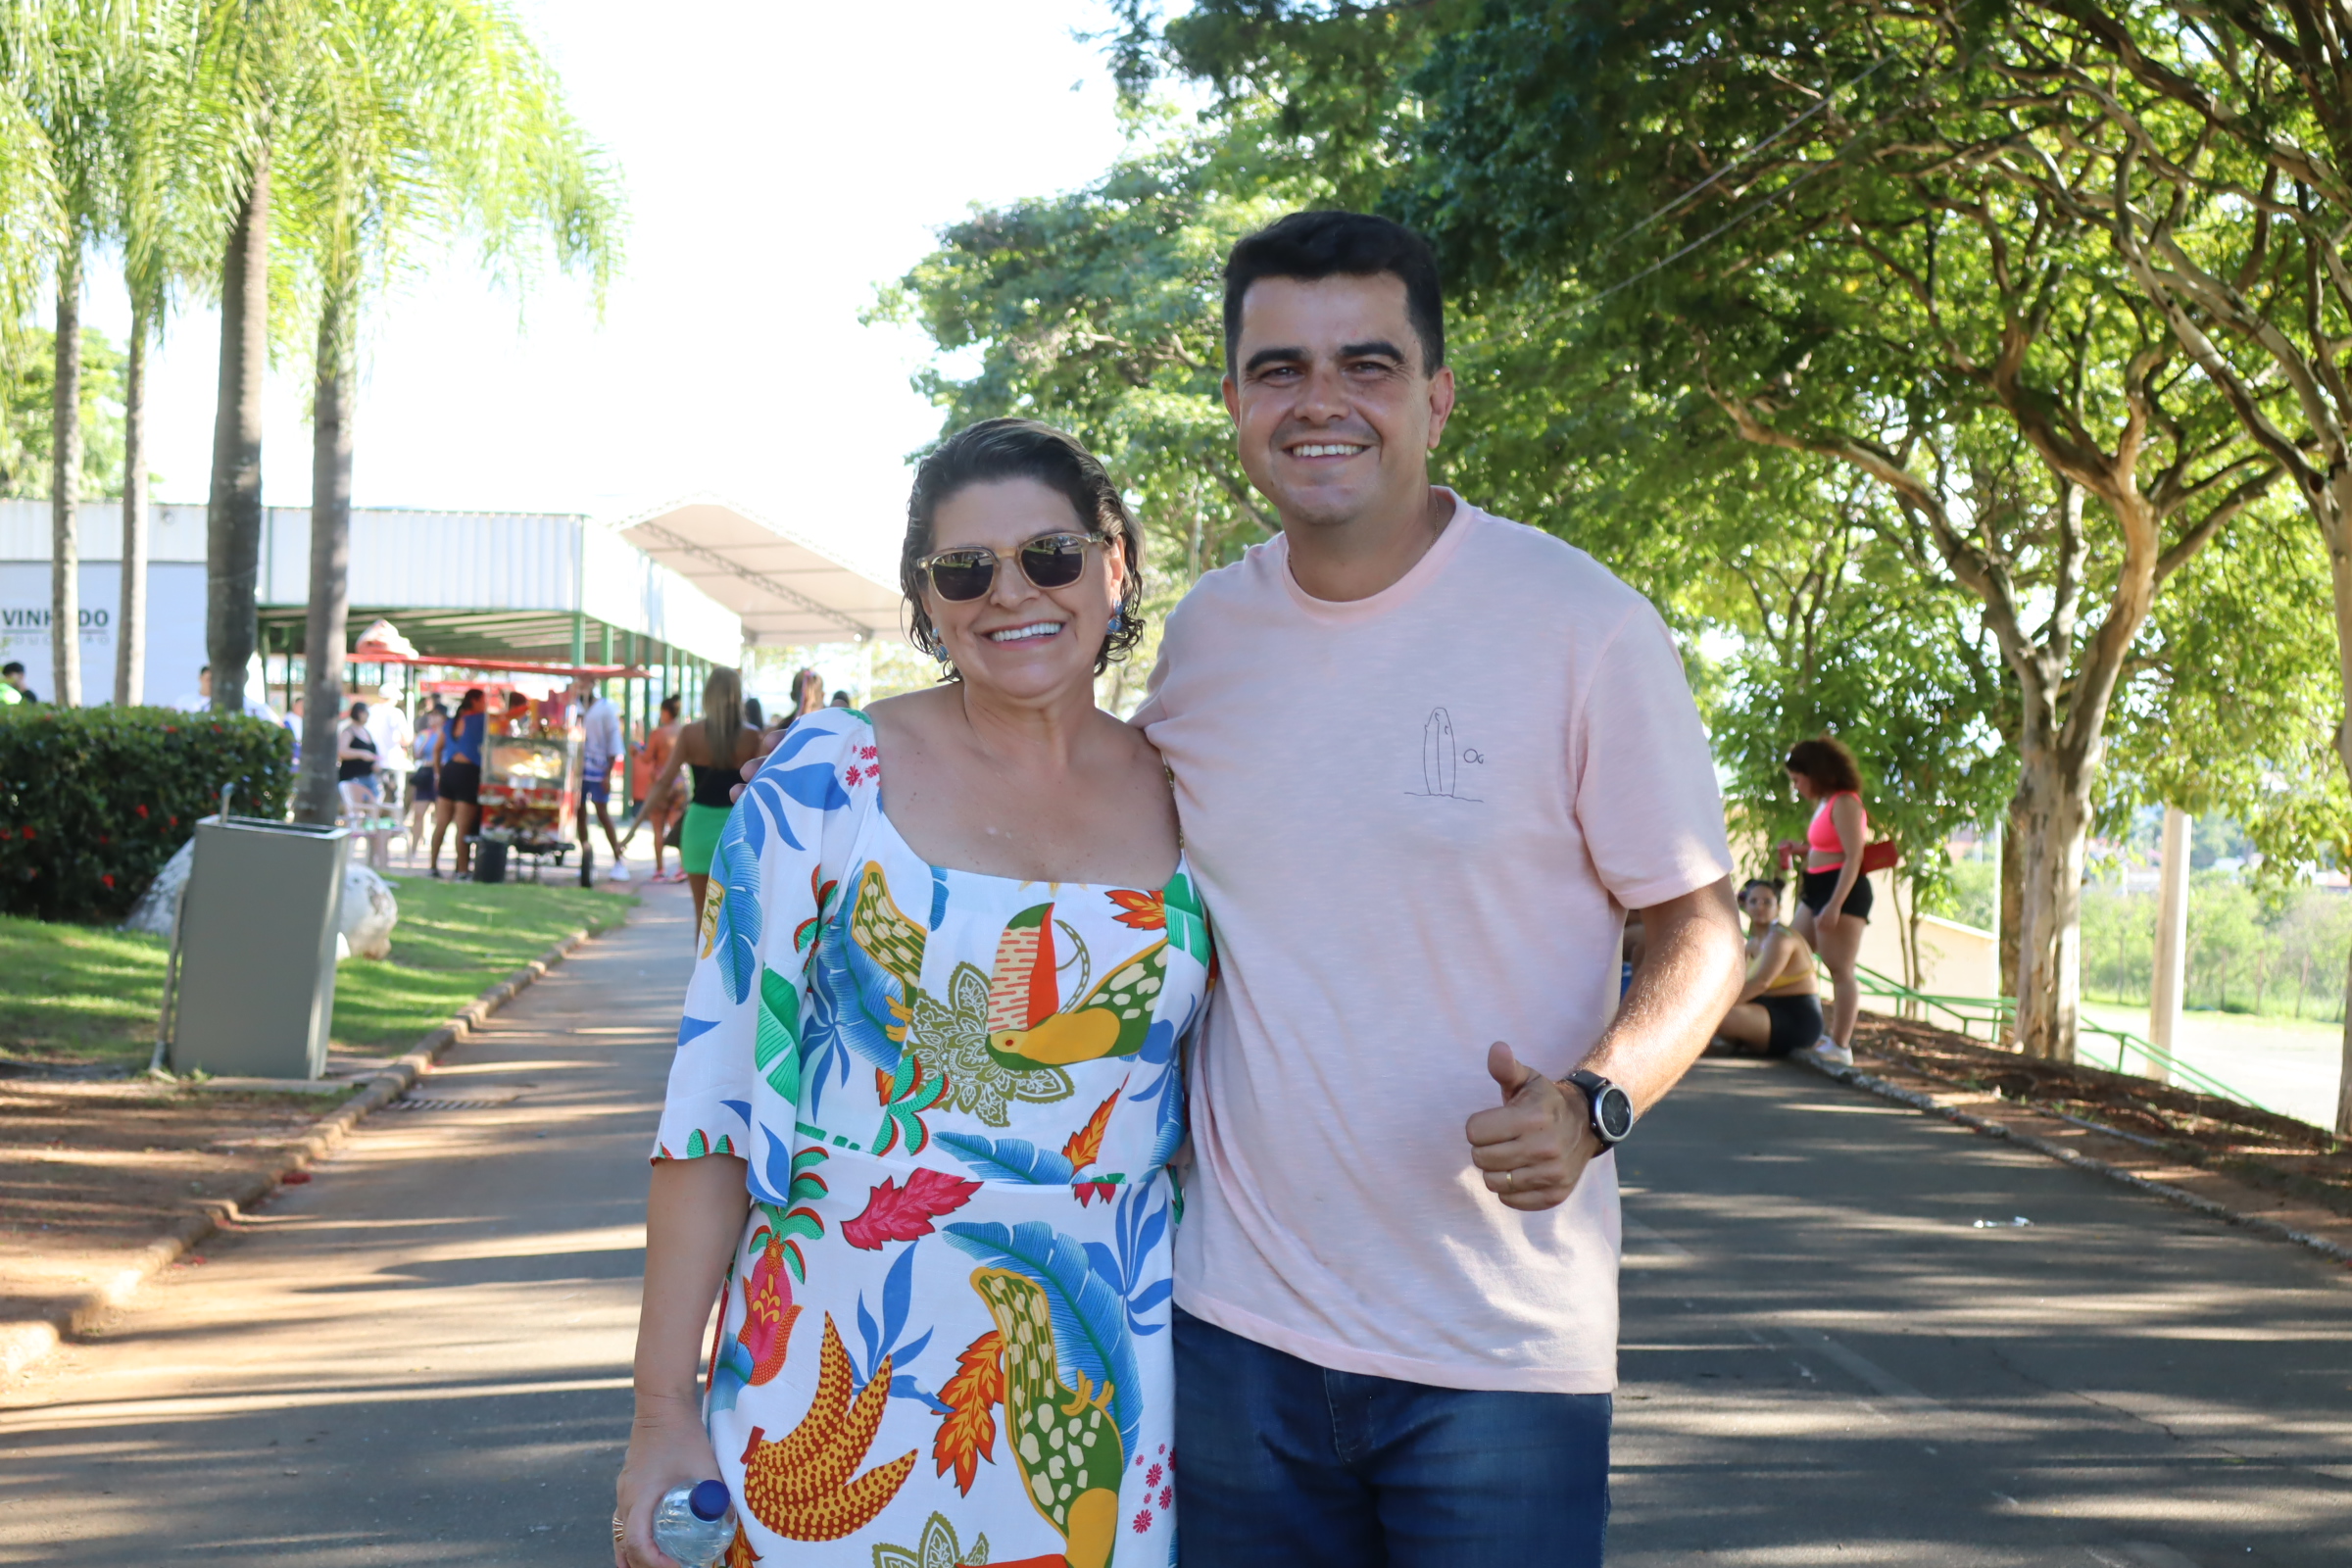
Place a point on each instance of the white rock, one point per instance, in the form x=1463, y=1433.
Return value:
x=157, y=907
x=369, y=911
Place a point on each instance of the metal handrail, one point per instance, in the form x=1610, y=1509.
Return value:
x=1996, y=1011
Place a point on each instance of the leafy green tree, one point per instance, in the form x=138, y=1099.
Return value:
x=27, y=417
x=1835, y=292
x=1098, y=312
x=2210, y=144
x=2229, y=709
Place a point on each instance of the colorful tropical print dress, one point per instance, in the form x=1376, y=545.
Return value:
x=945, y=1338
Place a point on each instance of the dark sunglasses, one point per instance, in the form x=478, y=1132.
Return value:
x=1049, y=561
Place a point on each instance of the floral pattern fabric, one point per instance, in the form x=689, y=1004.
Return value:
x=945, y=1333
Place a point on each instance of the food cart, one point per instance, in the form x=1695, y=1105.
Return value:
x=530, y=790
x=531, y=794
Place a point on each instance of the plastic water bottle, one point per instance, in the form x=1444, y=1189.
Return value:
x=696, y=1524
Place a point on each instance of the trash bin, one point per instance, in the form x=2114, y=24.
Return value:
x=489, y=860
x=257, y=948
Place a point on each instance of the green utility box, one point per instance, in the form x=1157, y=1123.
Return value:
x=257, y=948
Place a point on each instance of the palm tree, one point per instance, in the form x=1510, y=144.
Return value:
x=66, y=54
x=148, y=113
x=253, y=60
x=28, y=197
x=426, y=120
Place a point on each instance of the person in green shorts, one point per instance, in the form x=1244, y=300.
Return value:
x=715, y=750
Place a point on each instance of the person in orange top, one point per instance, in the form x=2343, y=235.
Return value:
x=1835, y=897
x=653, y=753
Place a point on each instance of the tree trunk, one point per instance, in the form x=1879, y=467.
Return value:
x=131, y=629
x=2012, y=894
x=316, y=798
x=233, y=520
x=2054, y=807
x=65, y=486
x=2329, y=508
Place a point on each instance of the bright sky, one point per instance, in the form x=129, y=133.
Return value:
x=780, y=160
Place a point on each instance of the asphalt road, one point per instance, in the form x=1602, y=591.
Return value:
x=422, y=1356
x=1826, y=1360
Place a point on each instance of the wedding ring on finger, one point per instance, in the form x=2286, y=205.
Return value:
x=1509, y=1179
x=619, y=1530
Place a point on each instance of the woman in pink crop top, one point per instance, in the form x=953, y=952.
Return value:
x=1834, y=900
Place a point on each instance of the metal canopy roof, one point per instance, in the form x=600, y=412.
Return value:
x=530, y=636
x=787, y=589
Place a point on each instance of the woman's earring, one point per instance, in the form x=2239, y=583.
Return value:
x=1118, y=621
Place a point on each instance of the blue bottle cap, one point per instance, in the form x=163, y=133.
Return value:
x=708, y=1500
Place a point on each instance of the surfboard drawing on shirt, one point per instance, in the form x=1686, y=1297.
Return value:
x=1441, y=758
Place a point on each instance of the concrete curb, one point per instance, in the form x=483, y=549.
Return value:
x=22, y=1343
x=2059, y=1152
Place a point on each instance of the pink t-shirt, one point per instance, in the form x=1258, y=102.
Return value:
x=1417, y=820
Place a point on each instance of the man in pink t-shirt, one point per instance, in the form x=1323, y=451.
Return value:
x=1426, y=760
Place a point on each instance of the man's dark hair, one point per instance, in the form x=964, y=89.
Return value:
x=11, y=667
x=1314, y=245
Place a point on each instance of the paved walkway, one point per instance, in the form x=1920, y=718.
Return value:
x=1826, y=1361
x=422, y=1356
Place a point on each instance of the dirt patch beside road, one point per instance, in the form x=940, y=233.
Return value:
x=91, y=1172
x=2247, y=1161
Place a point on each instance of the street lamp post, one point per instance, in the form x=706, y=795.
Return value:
x=2171, y=940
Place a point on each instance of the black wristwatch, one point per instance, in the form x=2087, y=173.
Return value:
x=1611, y=1107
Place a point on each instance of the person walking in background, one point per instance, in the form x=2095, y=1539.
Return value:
x=807, y=697
x=1835, y=897
x=715, y=749
x=12, y=676
x=357, y=758
x=1397, y=1309
x=662, y=816
x=841, y=698
x=357, y=761
x=395, y=738
x=599, y=748
x=754, y=715
x=1779, y=1010
x=420, y=778
x=457, y=779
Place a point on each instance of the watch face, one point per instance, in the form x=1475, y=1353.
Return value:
x=1614, y=1110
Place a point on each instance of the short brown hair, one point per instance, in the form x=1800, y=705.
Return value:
x=1022, y=449
x=1827, y=763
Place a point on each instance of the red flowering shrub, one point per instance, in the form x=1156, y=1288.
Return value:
x=92, y=799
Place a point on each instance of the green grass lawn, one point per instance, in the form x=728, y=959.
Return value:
x=88, y=993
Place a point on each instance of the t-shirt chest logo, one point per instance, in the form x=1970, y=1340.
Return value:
x=1448, y=768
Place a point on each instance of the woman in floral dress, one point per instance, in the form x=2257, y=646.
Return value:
x=928, y=1082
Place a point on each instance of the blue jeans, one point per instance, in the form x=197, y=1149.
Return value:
x=1283, y=1462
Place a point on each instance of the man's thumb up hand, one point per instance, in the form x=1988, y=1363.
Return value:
x=1530, y=1149
x=1509, y=1073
